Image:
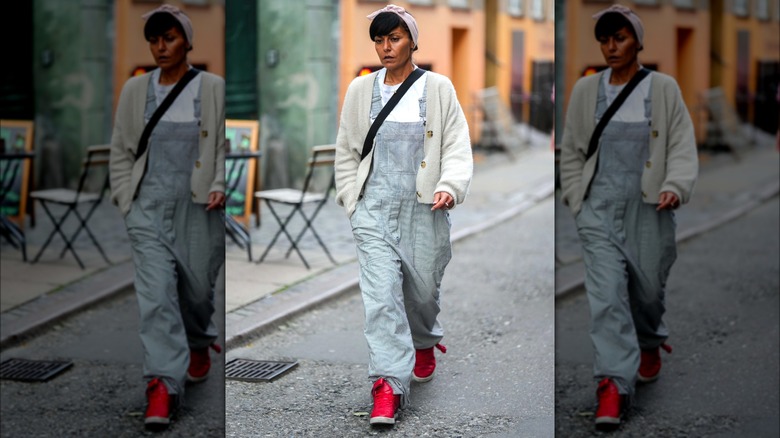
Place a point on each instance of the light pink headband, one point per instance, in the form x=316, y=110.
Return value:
x=411, y=23
x=186, y=24
x=630, y=15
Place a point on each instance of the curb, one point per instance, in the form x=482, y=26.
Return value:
x=573, y=285
x=251, y=325
x=25, y=320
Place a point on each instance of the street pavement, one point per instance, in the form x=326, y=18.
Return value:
x=722, y=378
x=496, y=379
x=103, y=393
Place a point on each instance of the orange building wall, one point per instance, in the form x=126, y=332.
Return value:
x=132, y=50
x=442, y=29
x=539, y=46
x=764, y=46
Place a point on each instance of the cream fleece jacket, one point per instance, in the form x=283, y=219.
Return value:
x=447, y=165
x=673, y=163
x=208, y=175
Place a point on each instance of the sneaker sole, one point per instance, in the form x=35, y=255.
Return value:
x=157, y=422
x=607, y=423
x=643, y=379
x=382, y=420
x=193, y=379
x=422, y=379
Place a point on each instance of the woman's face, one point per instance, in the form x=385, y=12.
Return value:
x=394, y=49
x=169, y=49
x=619, y=49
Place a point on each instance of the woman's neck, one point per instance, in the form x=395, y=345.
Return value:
x=172, y=75
x=623, y=75
x=398, y=75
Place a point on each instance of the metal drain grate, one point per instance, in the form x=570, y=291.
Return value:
x=248, y=370
x=32, y=370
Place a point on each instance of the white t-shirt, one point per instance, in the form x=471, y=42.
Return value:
x=408, y=109
x=633, y=109
x=183, y=108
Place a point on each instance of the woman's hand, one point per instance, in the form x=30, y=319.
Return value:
x=442, y=200
x=216, y=200
x=667, y=200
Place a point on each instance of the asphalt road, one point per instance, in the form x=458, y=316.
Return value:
x=723, y=377
x=103, y=393
x=496, y=379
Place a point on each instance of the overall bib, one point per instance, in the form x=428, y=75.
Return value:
x=178, y=248
x=403, y=248
x=628, y=249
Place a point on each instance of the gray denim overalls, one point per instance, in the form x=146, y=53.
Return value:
x=178, y=248
x=403, y=248
x=628, y=248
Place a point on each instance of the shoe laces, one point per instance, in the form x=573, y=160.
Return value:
x=667, y=348
x=384, y=399
x=441, y=348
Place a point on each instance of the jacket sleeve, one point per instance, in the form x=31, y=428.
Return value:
x=121, y=159
x=457, y=162
x=218, y=185
x=682, y=163
x=347, y=158
x=572, y=159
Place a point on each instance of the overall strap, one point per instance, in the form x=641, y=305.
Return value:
x=369, y=142
x=616, y=104
x=166, y=103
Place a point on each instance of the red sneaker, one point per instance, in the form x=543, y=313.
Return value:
x=158, y=408
x=650, y=364
x=610, y=405
x=385, y=403
x=200, y=363
x=425, y=363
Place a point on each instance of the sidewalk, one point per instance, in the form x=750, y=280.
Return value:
x=728, y=186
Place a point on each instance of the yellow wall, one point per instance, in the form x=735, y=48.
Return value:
x=764, y=46
x=132, y=50
x=539, y=46
x=689, y=63
x=439, y=26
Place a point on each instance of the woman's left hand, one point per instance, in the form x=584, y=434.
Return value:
x=667, y=200
x=442, y=200
x=216, y=200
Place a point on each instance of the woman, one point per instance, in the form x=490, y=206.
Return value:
x=623, y=197
x=397, y=199
x=172, y=196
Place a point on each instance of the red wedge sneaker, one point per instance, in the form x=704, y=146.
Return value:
x=200, y=363
x=425, y=363
x=610, y=405
x=385, y=403
x=650, y=363
x=158, y=408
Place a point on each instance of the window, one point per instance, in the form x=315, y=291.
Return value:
x=684, y=4
x=762, y=9
x=646, y=2
x=515, y=8
x=421, y=2
x=537, y=10
x=459, y=4
x=740, y=8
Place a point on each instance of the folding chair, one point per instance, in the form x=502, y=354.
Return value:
x=72, y=199
x=321, y=156
x=12, y=233
x=235, y=230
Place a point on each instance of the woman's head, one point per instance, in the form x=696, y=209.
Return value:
x=619, y=33
x=169, y=33
x=394, y=33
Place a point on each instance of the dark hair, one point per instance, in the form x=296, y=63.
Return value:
x=386, y=22
x=160, y=23
x=610, y=23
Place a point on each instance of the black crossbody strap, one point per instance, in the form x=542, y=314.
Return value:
x=369, y=142
x=158, y=113
x=616, y=104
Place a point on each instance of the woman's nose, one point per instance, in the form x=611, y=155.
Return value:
x=386, y=45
